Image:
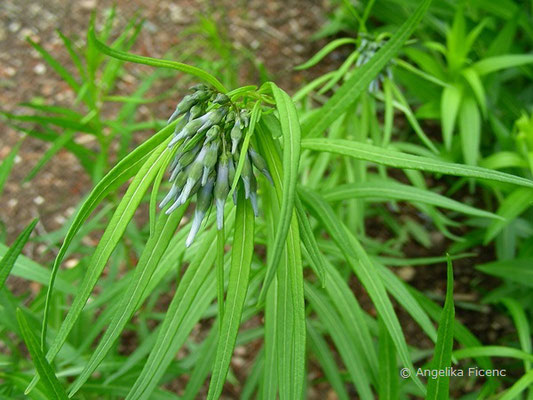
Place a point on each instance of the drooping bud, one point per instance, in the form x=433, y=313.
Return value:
x=210, y=159
x=196, y=111
x=174, y=190
x=187, y=102
x=253, y=194
x=245, y=117
x=188, y=157
x=221, y=189
x=231, y=176
x=200, y=86
x=190, y=129
x=205, y=197
x=212, y=133
x=213, y=117
x=246, y=176
x=194, y=172
x=221, y=99
x=260, y=163
x=236, y=135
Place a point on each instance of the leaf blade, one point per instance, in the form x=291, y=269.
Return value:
x=291, y=158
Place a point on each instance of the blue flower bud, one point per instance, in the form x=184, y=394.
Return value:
x=205, y=197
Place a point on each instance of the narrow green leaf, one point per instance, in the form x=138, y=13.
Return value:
x=74, y=56
x=124, y=170
x=449, y=106
x=154, y=62
x=364, y=269
x=57, y=145
x=390, y=190
x=493, y=351
x=50, y=382
x=514, y=204
x=150, y=257
x=61, y=71
x=522, y=326
x=8, y=260
x=392, y=158
x=108, y=242
x=241, y=258
x=470, y=130
x=519, y=386
x=324, y=51
x=28, y=269
x=290, y=307
x=359, y=81
x=340, y=72
x=291, y=158
x=388, y=368
x=442, y=358
x=302, y=93
x=352, y=359
x=406, y=109
x=517, y=270
x=477, y=87
x=493, y=64
x=7, y=165
x=321, y=351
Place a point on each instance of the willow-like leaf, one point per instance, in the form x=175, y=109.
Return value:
x=114, y=231
x=150, y=257
x=242, y=251
x=291, y=158
x=290, y=307
x=8, y=260
x=193, y=295
x=393, y=158
x=364, y=269
x=154, y=62
x=124, y=170
x=50, y=382
x=391, y=190
x=438, y=389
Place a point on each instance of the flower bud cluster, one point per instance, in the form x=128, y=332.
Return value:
x=368, y=47
x=209, y=137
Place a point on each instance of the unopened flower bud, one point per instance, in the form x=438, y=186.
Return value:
x=210, y=159
x=221, y=189
x=212, y=133
x=236, y=135
x=246, y=175
x=260, y=163
x=253, y=194
x=200, y=86
x=205, y=197
x=221, y=99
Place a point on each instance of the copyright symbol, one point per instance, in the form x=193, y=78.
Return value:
x=405, y=373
